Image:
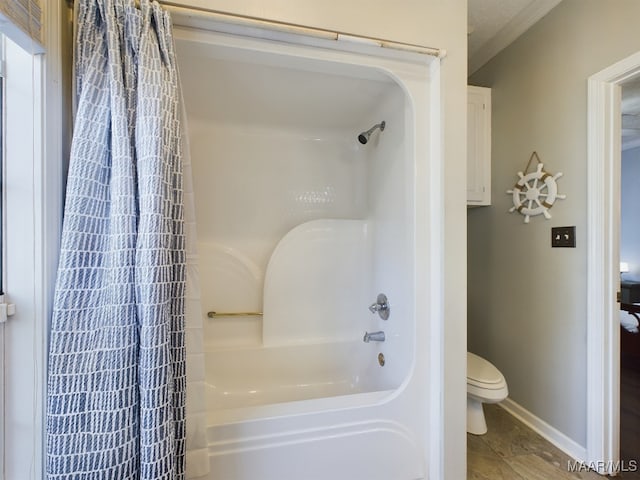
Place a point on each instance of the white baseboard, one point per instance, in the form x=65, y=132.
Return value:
x=559, y=439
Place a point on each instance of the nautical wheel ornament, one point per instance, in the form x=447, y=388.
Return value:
x=536, y=192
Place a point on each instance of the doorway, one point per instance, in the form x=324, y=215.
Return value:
x=603, y=268
x=630, y=281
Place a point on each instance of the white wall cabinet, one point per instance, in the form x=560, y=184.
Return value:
x=478, y=146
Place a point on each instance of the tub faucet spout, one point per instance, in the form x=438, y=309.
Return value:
x=373, y=337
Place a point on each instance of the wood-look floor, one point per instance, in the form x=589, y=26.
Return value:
x=512, y=451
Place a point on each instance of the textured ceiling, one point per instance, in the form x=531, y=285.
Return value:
x=494, y=24
x=487, y=17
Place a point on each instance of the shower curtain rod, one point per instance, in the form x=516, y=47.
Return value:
x=198, y=13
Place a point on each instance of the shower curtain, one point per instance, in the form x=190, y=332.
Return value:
x=117, y=360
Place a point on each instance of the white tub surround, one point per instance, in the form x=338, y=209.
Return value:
x=300, y=227
x=317, y=283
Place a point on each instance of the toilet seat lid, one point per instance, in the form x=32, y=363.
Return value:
x=481, y=372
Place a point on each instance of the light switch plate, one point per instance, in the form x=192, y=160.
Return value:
x=563, y=237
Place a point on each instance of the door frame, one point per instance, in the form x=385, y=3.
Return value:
x=603, y=257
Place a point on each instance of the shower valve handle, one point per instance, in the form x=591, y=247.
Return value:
x=381, y=306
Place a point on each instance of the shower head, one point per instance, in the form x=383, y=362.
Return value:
x=363, y=138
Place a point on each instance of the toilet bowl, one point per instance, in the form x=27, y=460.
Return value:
x=485, y=384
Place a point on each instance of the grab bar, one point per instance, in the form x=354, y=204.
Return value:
x=233, y=314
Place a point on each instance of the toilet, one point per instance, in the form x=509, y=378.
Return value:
x=485, y=384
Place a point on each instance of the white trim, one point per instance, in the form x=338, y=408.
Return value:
x=603, y=225
x=23, y=332
x=438, y=416
x=41, y=174
x=49, y=191
x=3, y=230
x=556, y=437
x=510, y=32
x=266, y=29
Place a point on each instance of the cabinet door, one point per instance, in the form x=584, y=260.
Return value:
x=478, y=146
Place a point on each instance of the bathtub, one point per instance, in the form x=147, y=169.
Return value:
x=250, y=382
x=302, y=227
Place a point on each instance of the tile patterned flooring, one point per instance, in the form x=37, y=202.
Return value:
x=512, y=451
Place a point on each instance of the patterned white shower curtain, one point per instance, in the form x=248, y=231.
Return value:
x=117, y=371
x=197, y=448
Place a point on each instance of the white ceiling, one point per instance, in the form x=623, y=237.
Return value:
x=494, y=24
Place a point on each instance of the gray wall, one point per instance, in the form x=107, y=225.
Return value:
x=630, y=218
x=527, y=301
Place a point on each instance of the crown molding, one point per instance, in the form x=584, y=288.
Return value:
x=510, y=32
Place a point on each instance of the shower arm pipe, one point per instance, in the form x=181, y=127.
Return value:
x=188, y=15
x=233, y=314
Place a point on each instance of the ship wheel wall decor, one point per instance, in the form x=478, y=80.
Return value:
x=536, y=192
